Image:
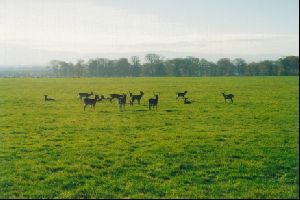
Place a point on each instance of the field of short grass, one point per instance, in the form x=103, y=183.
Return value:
x=209, y=149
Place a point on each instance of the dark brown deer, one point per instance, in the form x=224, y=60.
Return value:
x=180, y=94
x=153, y=102
x=84, y=94
x=102, y=98
x=186, y=101
x=91, y=102
x=115, y=96
x=48, y=99
x=122, y=102
x=137, y=97
x=228, y=96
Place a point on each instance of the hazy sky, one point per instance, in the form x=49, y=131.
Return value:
x=33, y=32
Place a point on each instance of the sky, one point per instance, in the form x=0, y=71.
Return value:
x=33, y=32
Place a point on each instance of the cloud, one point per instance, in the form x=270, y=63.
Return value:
x=158, y=43
x=64, y=28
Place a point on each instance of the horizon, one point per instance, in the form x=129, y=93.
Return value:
x=36, y=32
x=142, y=59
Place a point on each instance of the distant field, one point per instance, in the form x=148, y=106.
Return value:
x=209, y=149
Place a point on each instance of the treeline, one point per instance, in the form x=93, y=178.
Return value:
x=10, y=72
x=155, y=65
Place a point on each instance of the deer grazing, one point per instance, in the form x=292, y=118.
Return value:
x=115, y=96
x=137, y=97
x=186, y=101
x=84, y=94
x=102, y=98
x=48, y=99
x=91, y=102
x=180, y=94
x=122, y=102
x=153, y=102
x=228, y=96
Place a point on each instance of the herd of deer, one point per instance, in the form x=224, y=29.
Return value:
x=120, y=97
x=153, y=102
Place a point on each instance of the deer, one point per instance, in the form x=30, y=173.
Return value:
x=186, y=101
x=48, y=99
x=153, y=102
x=84, y=94
x=91, y=102
x=228, y=96
x=180, y=94
x=115, y=96
x=137, y=97
x=102, y=98
x=122, y=102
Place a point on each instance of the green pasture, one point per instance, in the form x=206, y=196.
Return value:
x=208, y=149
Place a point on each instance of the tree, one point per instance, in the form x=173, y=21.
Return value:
x=191, y=66
x=253, y=69
x=159, y=69
x=54, y=66
x=290, y=65
x=178, y=64
x=92, y=67
x=154, y=66
x=79, y=68
x=240, y=66
x=122, y=67
x=267, y=68
x=135, y=69
x=205, y=68
x=135, y=61
x=152, y=58
x=225, y=67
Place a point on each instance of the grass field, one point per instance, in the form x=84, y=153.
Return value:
x=209, y=149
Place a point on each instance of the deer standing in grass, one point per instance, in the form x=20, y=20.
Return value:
x=180, y=94
x=115, y=96
x=137, y=97
x=228, y=96
x=153, y=102
x=122, y=102
x=91, y=102
x=84, y=94
x=102, y=98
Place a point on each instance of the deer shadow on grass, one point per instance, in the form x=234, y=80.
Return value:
x=140, y=110
x=104, y=111
x=171, y=110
